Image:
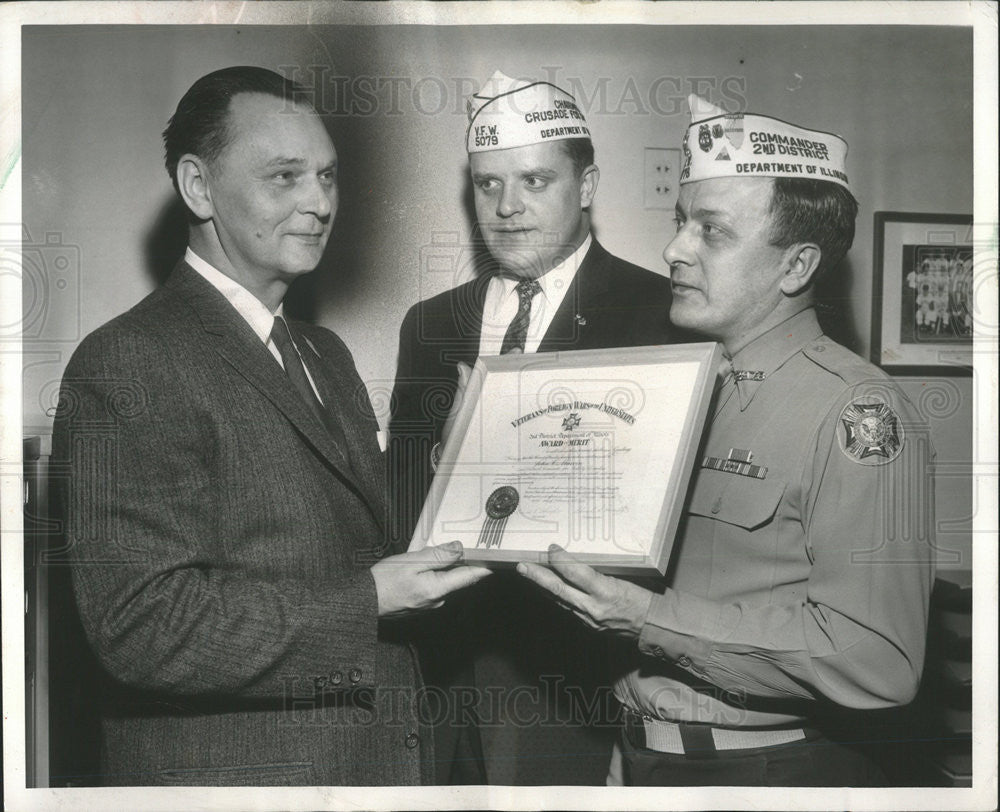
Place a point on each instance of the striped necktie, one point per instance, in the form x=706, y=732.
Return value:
x=517, y=332
x=296, y=373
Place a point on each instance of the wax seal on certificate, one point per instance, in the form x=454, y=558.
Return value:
x=501, y=503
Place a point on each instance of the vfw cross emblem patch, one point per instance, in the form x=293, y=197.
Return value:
x=872, y=433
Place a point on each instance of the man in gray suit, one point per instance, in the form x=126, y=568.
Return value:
x=224, y=494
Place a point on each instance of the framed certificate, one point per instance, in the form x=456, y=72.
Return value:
x=590, y=449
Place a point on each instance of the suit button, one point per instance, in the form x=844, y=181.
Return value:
x=684, y=660
x=336, y=678
x=412, y=740
x=657, y=651
x=355, y=675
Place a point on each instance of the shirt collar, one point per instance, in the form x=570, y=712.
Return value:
x=253, y=311
x=768, y=352
x=556, y=281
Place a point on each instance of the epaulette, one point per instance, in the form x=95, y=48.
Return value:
x=840, y=361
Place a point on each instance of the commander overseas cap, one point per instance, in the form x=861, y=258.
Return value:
x=718, y=144
x=508, y=113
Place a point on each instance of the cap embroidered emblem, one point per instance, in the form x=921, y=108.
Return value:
x=733, y=145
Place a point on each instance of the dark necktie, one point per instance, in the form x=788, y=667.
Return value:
x=725, y=384
x=518, y=329
x=296, y=373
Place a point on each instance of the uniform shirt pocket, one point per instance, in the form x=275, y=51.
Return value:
x=742, y=501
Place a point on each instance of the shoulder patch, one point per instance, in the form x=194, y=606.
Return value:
x=870, y=432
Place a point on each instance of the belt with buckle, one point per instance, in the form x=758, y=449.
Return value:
x=692, y=739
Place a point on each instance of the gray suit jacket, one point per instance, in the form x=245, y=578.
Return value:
x=221, y=545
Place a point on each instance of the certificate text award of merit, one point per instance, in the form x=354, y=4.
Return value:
x=590, y=449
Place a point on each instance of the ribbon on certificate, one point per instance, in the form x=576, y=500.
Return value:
x=501, y=503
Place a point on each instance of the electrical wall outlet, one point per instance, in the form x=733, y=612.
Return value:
x=661, y=176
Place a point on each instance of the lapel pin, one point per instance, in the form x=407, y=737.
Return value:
x=581, y=320
x=313, y=347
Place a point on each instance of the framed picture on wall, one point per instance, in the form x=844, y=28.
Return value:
x=922, y=308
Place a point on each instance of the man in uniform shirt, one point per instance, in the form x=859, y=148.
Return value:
x=550, y=286
x=802, y=572
x=224, y=498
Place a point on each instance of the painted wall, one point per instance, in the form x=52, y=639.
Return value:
x=106, y=229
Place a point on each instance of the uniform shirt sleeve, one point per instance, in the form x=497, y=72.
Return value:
x=858, y=638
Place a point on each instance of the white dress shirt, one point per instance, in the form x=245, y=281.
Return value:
x=501, y=303
x=260, y=319
x=252, y=309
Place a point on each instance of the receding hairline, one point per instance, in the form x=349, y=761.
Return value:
x=231, y=132
x=289, y=105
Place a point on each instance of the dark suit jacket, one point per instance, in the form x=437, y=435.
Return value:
x=546, y=659
x=221, y=545
x=610, y=303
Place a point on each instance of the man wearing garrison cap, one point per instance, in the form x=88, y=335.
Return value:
x=549, y=285
x=800, y=578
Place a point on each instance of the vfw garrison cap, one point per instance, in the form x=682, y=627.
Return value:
x=718, y=144
x=507, y=113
